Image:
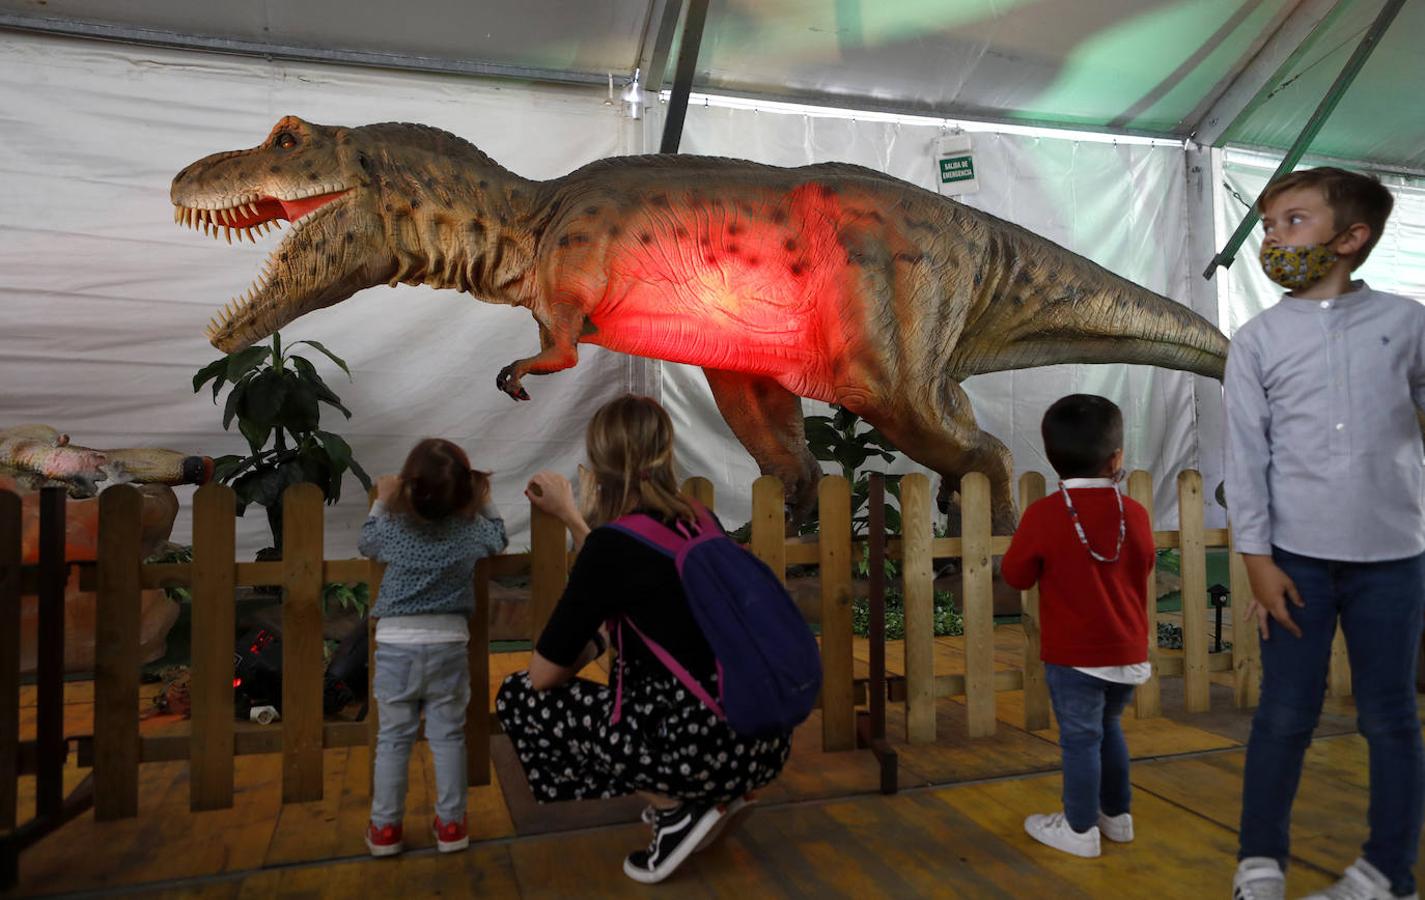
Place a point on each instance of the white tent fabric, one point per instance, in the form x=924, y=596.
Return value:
x=1122, y=205
x=104, y=299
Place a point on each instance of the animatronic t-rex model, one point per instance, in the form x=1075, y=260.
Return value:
x=829, y=281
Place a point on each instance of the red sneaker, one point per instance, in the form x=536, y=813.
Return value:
x=450, y=836
x=384, y=841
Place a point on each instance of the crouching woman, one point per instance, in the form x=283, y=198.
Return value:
x=578, y=739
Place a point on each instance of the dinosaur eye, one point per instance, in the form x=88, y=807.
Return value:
x=286, y=140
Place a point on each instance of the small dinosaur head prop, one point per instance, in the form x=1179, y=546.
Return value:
x=358, y=201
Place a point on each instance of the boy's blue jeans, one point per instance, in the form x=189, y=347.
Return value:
x=410, y=678
x=1380, y=607
x=1088, y=710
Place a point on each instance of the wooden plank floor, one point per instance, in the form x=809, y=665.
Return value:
x=958, y=841
x=822, y=830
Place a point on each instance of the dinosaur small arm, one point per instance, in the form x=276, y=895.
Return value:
x=828, y=281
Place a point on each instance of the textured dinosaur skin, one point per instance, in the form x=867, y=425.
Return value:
x=39, y=456
x=829, y=281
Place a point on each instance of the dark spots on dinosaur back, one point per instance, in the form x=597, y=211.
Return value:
x=710, y=259
x=313, y=176
x=645, y=238
x=591, y=210
x=827, y=190
x=754, y=261
x=733, y=249
x=659, y=200
x=680, y=232
x=734, y=228
x=388, y=207
x=415, y=203
x=274, y=169
x=909, y=258
x=745, y=207
x=790, y=244
x=918, y=224
x=797, y=268
x=350, y=237
x=979, y=277
x=779, y=216
x=1023, y=277
x=484, y=183
x=333, y=258
x=573, y=240
x=614, y=231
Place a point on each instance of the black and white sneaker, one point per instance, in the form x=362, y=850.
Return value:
x=676, y=833
x=732, y=815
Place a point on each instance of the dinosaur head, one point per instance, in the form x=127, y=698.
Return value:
x=311, y=176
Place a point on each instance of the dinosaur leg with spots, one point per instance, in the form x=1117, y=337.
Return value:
x=767, y=419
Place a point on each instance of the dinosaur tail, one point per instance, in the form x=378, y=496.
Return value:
x=1051, y=306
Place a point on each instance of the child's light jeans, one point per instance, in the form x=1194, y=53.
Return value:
x=411, y=678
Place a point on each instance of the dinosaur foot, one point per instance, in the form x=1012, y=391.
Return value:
x=510, y=384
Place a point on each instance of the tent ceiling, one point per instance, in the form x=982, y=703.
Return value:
x=1147, y=66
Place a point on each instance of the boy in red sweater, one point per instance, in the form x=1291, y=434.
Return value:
x=1091, y=549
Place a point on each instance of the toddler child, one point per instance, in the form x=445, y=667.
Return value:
x=430, y=525
x=1090, y=549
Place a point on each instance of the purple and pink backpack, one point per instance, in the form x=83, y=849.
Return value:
x=768, y=662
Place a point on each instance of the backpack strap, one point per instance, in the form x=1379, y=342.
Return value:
x=663, y=538
x=671, y=664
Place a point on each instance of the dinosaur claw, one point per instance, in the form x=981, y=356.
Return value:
x=507, y=382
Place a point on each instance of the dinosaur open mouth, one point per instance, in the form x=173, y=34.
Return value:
x=248, y=216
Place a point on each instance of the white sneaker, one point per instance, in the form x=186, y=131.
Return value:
x=1259, y=878
x=1362, y=881
x=1117, y=828
x=1053, y=829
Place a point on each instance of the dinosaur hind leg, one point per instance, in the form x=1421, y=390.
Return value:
x=767, y=419
x=941, y=432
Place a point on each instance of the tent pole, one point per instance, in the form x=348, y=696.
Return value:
x=683, y=76
x=1313, y=126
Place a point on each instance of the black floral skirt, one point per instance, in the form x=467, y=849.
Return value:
x=665, y=742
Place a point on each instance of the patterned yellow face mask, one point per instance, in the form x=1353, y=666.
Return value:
x=1298, y=268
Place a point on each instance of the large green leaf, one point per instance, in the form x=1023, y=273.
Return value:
x=216, y=369
x=234, y=399
x=300, y=413
x=244, y=360
x=330, y=355
x=308, y=373
x=263, y=399
x=256, y=433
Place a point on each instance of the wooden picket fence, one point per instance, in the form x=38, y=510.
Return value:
x=116, y=748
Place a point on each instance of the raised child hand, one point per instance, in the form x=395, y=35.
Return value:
x=1271, y=590
x=387, y=487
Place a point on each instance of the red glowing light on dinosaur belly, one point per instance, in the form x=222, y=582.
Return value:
x=269, y=208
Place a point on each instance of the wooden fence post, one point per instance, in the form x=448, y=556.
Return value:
x=769, y=524
x=1196, y=687
x=116, y=655
x=214, y=588
x=548, y=567
x=10, y=561
x=1338, y=676
x=838, y=702
x=1246, y=646
x=1148, y=698
x=978, y=604
x=49, y=661
x=1036, y=689
x=477, y=713
x=918, y=589
x=700, y=489
x=302, y=671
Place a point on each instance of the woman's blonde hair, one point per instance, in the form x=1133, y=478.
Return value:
x=630, y=446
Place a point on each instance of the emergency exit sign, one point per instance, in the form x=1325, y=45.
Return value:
x=957, y=168
x=955, y=165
